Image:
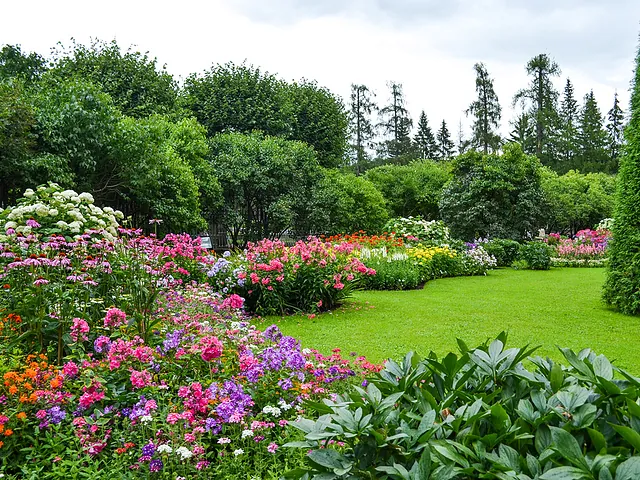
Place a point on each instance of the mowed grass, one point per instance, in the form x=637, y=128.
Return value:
x=547, y=308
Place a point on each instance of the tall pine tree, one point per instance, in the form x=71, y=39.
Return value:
x=592, y=139
x=541, y=98
x=615, y=128
x=396, y=123
x=445, y=145
x=362, y=129
x=424, y=140
x=486, y=112
x=567, y=140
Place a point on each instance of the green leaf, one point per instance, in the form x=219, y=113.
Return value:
x=328, y=458
x=634, y=408
x=556, y=377
x=565, y=473
x=629, y=434
x=567, y=446
x=499, y=417
x=602, y=367
x=597, y=439
x=629, y=470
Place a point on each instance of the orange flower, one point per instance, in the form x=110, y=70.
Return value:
x=56, y=382
x=13, y=389
x=1, y=444
x=21, y=416
x=8, y=433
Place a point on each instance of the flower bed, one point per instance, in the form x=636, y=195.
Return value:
x=586, y=248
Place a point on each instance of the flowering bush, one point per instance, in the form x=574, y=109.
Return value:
x=276, y=279
x=54, y=211
x=433, y=232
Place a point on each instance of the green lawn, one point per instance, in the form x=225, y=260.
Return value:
x=547, y=308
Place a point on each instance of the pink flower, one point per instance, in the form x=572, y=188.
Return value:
x=115, y=318
x=70, y=369
x=272, y=447
x=233, y=301
x=79, y=330
x=339, y=286
x=140, y=379
x=32, y=223
x=211, y=348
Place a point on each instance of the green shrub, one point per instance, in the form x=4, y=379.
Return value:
x=536, y=255
x=480, y=414
x=504, y=251
x=393, y=275
x=622, y=287
x=433, y=232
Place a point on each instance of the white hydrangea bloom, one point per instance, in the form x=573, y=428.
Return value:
x=86, y=197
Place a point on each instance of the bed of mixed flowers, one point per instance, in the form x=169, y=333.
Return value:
x=118, y=356
x=586, y=248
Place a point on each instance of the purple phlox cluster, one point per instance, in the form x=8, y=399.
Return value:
x=221, y=265
x=235, y=403
x=172, y=340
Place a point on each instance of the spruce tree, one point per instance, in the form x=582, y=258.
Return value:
x=396, y=123
x=445, y=145
x=424, y=141
x=592, y=138
x=541, y=98
x=362, y=129
x=567, y=141
x=622, y=287
x=486, y=112
x=615, y=127
x=523, y=132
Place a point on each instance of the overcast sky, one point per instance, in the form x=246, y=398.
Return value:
x=429, y=46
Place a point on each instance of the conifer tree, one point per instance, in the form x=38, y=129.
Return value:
x=523, y=132
x=622, y=287
x=424, y=140
x=592, y=138
x=396, y=123
x=445, y=145
x=541, y=98
x=615, y=127
x=486, y=112
x=567, y=141
x=362, y=129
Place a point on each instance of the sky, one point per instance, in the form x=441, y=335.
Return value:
x=429, y=46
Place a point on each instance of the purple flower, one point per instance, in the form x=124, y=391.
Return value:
x=57, y=414
x=32, y=223
x=148, y=450
x=155, y=465
x=273, y=333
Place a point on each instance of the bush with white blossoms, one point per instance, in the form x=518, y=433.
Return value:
x=433, y=232
x=476, y=260
x=52, y=210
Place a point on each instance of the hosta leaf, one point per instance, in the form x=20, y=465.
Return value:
x=597, y=439
x=556, y=377
x=565, y=473
x=328, y=458
x=602, y=367
x=629, y=434
x=567, y=446
x=629, y=469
